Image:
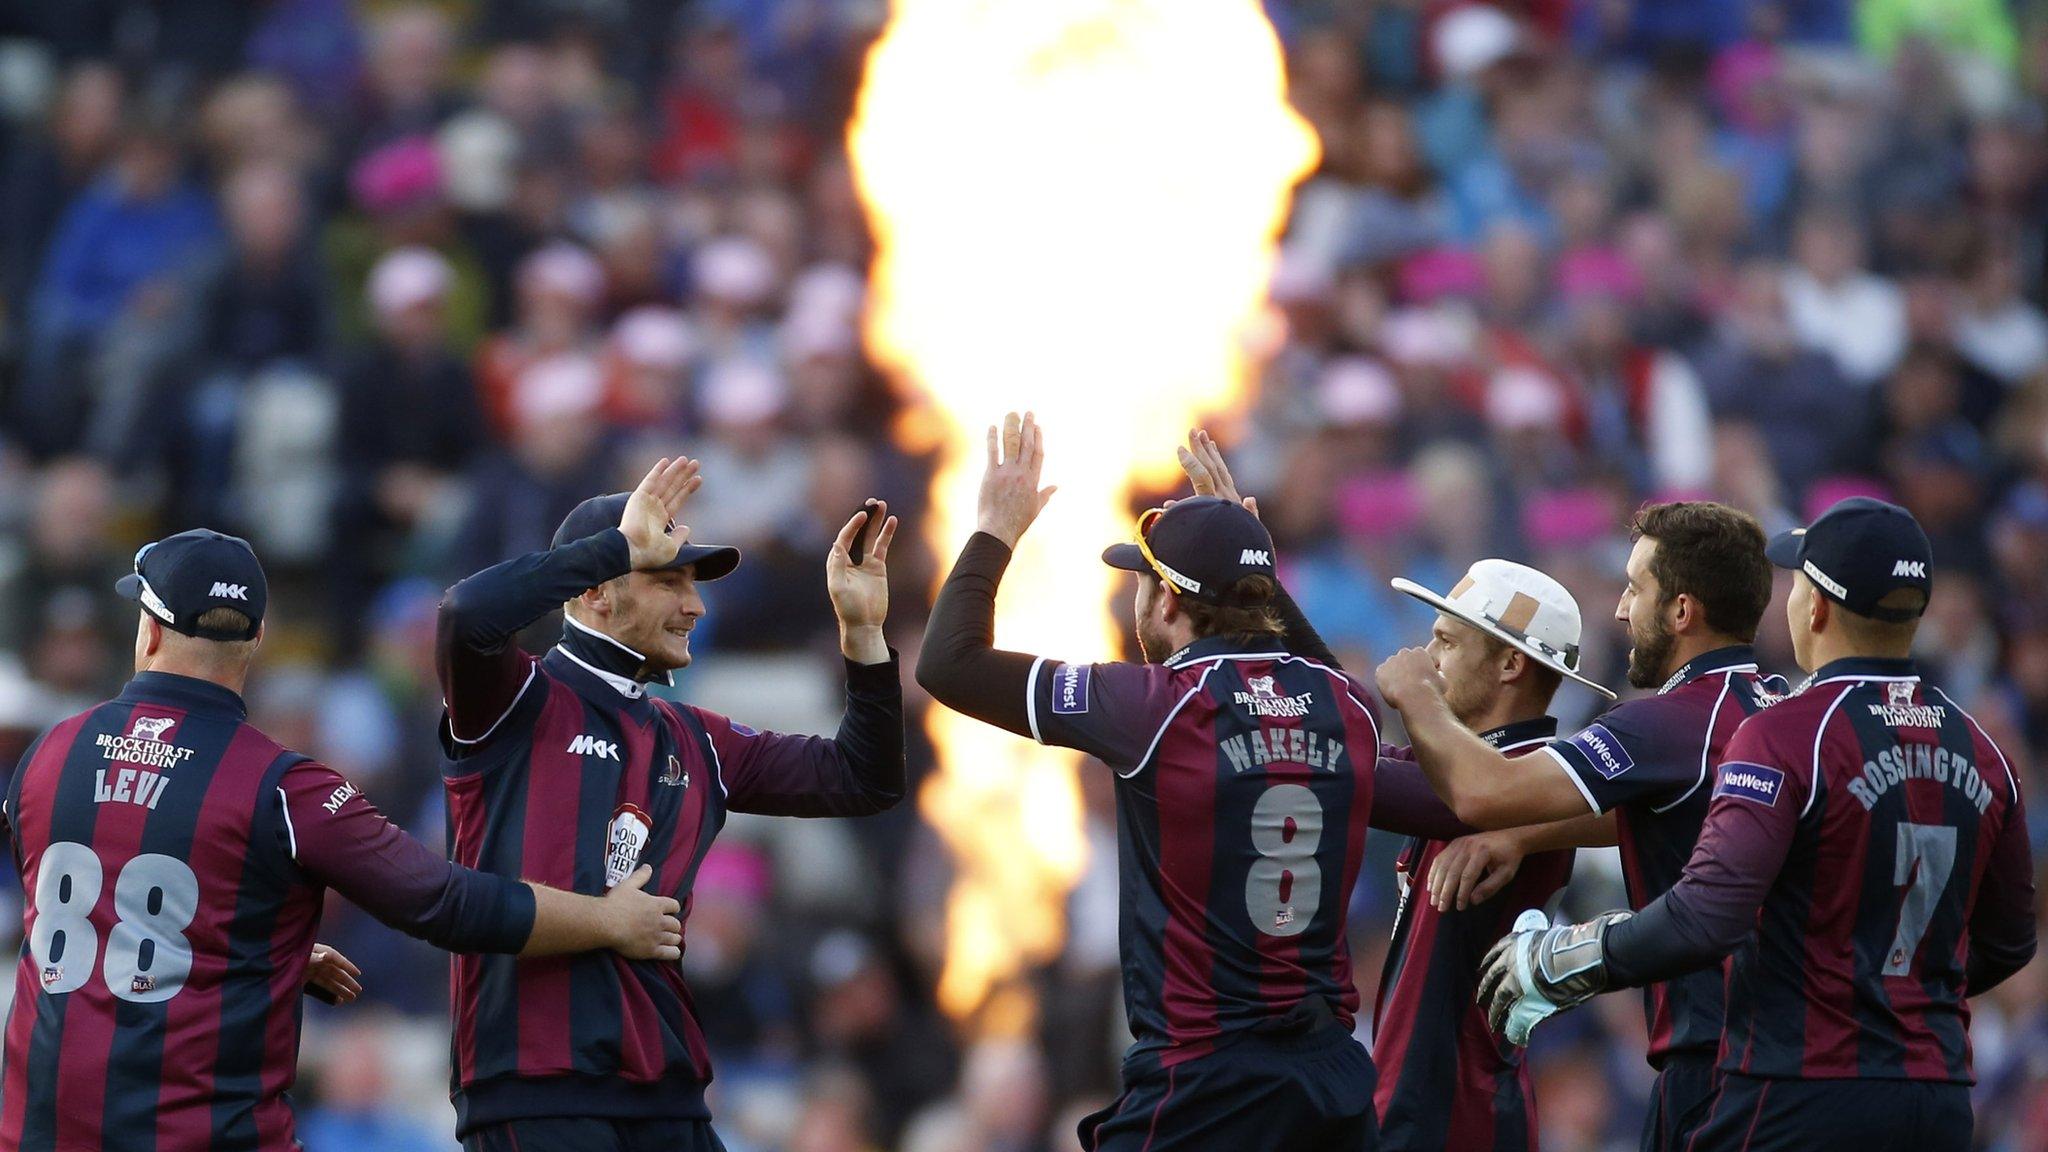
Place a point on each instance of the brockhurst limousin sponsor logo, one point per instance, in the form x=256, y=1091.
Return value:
x=148, y=752
x=1899, y=711
x=1264, y=699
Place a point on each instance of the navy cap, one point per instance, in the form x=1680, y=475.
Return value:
x=1201, y=546
x=1857, y=553
x=601, y=512
x=180, y=578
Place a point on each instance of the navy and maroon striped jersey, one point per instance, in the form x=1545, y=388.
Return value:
x=1652, y=760
x=175, y=861
x=1903, y=837
x=1446, y=1081
x=563, y=770
x=1244, y=787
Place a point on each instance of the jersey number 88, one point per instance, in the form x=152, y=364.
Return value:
x=148, y=957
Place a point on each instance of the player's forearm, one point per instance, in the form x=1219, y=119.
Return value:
x=566, y=922
x=484, y=612
x=1403, y=803
x=959, y=664
x=1467, y=772
x=1713, y=907
x=870, y=739
x=2002, y=927
x=1300, y=637
x=1588, y=831
x=864, y=644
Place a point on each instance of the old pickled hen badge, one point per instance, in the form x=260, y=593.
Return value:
x=624, y=841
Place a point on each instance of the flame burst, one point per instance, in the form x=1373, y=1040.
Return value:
x=1076, y=203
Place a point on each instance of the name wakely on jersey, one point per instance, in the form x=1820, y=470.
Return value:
x=146, y=745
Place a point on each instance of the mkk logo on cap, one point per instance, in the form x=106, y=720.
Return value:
x=181, y=578
x=1859, y=552
x=1201, y=547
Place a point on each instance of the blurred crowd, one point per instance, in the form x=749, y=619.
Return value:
x=388, y=287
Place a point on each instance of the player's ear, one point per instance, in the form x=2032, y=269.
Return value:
x=1820, y=613
x=1514, y=663
x=1685, y=612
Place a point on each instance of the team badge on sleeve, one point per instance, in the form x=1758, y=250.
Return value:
x=1756, y=783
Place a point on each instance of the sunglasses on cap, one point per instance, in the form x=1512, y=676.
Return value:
x=1173, y=579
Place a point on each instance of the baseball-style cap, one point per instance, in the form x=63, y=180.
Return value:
x=1200, y=547
x=1519, y=606
x=601, y=512
x=180, y=578
x=1857, y=553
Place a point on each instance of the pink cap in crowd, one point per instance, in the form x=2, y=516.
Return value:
x=397, y=176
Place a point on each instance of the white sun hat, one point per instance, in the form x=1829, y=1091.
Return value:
x=1517, y=605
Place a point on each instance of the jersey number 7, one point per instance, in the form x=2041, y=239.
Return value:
x=1925, y=857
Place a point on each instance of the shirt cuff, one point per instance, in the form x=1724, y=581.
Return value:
x=872, y=679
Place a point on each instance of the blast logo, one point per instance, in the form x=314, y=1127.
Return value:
x=142, y=984
x=624, y=841
x=53, y=974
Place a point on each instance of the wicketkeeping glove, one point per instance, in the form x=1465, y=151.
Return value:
x=1537, y=971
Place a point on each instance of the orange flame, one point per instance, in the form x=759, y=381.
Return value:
x=1075, y=203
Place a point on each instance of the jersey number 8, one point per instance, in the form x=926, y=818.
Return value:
x=1285, y=885
x=148, y=957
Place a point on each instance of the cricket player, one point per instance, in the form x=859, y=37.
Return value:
x=1698, y=585
x=175, y=860
x=1864, y=859
x=1245, y=784
x=1505, y=638
x=564, y=768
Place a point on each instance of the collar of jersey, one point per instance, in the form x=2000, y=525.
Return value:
x=1735, y=657
x=608, y=660
x=1521, y=732
x=1865, y=668
x=1227, y=648
x=187, y=692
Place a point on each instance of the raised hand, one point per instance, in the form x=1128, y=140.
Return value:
x=334, y=974
x=649, y=519
x=860, y=592
x=643, y=926
x=1470, y=869
x=1405, y=674
x=1010, y=496
x=1203, y=461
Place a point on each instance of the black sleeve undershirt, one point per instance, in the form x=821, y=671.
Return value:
x=960, y=665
